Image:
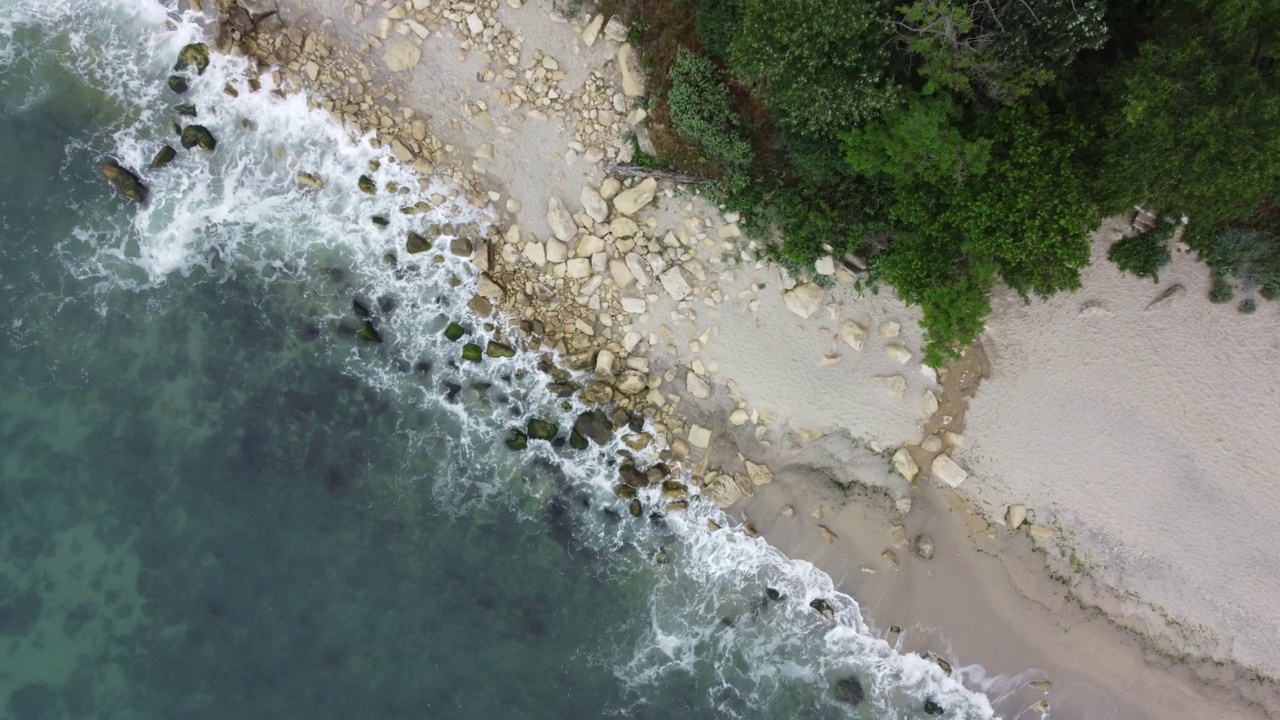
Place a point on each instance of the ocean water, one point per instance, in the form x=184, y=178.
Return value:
x=218, y=501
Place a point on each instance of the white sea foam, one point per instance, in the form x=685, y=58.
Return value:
x=240, y=210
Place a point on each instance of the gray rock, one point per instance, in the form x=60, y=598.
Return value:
x=595, y=426
x=922, y=545
x=560, y=221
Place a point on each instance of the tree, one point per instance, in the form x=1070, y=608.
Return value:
x=999, y=49
x=917, y=140
x=822, y=66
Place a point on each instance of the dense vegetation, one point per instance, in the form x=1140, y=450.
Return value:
x=954, y=144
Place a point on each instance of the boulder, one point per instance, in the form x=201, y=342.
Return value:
x=948, y=471
x=578, y=268
x=616, y=29
x=849, y=690
x=896, y=384
x=905, y=466
x=890, y=329
x=588, y=245
x=639, y=271
x=367, y=185
x=759, y=474
x=535, y=253
x=635, y=306
x=454, y=332
x=699, y=436
x=178, y=84
x=739, y=417
x=932, y=444
x=198, y=135
x=416, y=243
x=487, y=287
x=823, y=608
x=632, y=475
x=897, y=353
x=825, y=265
x=631, y=200
x=594, y=425
x=804, y=299
x=632, y=78
x=124, y=181
x=675, y=284
x=560, y=221
x=497, y=349
x=674, y=489
x=592, y=30
x=604, y=363
x=165, y=156
x=195, y=55
x=1015, y=515
x=922, y=545
x=697, y=386
x=724, y=491
x=931, y=707
x=472, y=352
x=631, y=382
x=594, y=205
x=853, y=334
x=401, y=56
x=518, y=440
x=556, y=251
x=623, y=227
x=609, y=188
x=930, y=406
x=306, y=179
x=369, y=333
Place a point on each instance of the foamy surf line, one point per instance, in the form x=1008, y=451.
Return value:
x=730, y=603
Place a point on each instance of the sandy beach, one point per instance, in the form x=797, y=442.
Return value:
x=1141, y=584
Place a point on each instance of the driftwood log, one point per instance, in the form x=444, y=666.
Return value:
x=637, y=171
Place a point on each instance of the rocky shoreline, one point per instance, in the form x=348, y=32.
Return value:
x=618, y=280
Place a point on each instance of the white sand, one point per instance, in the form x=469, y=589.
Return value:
x=1149, y=436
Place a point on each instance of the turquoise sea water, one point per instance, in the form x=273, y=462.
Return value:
x=218, y=502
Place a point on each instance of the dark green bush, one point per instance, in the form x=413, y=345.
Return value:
x=717, y=22
x=1252, y=256
x=1141, y=255
x=1247, y=306
x=700, y=110
x=1221, y=292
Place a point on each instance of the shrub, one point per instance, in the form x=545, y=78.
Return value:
x=1221, y=291
x=1247, y=306
x=717, y=22
x=1141, y=255
x=1252, y=256
x=700, y=110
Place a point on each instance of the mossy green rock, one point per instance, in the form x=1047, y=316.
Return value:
x=541, y=429
x=497, y=349
x=198, y=135
x=636, y=508
x=380, y=221
x=454, y=332
x=125, y=182
x=178, y=84
x=186, y=109
x=369, y=333
x=472, y=352
x=194, y=55
x=518, y=440
x=416, y=243
x=576, y=441
x=360, y=308
x=595, y=426
x=162, y=158
x=367, y=184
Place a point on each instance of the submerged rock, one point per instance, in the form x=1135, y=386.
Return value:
x=124, y=181
x=472, y=352
x=178, y=84
x=632, y=475
x=594, y=425
x=636, y=508
x=541, y=429
x=381, y=222
x=576, y=441
x=186, y=110
x=518, y=440
x=849, y=690
x=369, y=333
x=198, y=135
x=195, y=55
x=823, y=608
x=933, y=708
x=360, y=308
x=367, y=185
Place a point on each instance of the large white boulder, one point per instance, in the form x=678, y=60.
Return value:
x=629, y=201
x=948, y=471
x=560, y=221
x=675, y=284
x=804, y=299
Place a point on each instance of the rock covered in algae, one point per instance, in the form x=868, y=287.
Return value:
x=454, y=332
x=541, y=429
x=595, y=425
x=186, y=109
x=472, y=352
x=124, y=181
x=194, y=55
x=178, y=84
x=416, y=243
x=163, y=157
x=367, y=185
x=369, y=333
x=198, y=135
x=518, y=440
